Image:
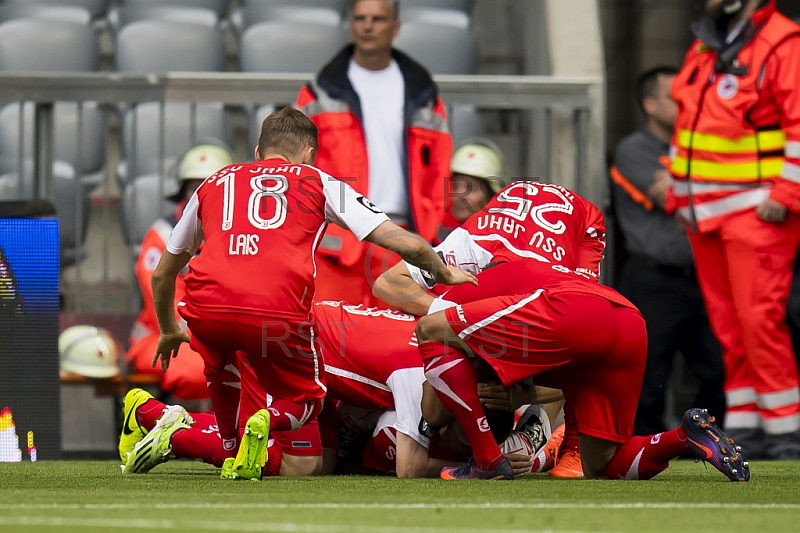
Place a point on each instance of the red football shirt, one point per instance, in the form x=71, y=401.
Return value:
x=371, y=360
x=527, y=220
x=261, y=223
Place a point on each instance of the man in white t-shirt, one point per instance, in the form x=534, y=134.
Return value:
x=383, y=129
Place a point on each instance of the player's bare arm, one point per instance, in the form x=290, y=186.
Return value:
x=415, y=250
x=397, y=288
x=413, y=460
x=171, y=334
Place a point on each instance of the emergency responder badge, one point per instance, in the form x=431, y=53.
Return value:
x=151, y=258
x=728, y=86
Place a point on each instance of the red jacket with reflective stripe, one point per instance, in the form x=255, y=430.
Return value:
x=333, y=105
x=737, y=135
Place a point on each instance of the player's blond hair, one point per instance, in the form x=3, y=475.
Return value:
x=287, y=132
x=394, y=3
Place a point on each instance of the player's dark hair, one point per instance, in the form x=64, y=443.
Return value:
x=500, y=423
x=287, y=132
x=647, y=83
x=394, y=3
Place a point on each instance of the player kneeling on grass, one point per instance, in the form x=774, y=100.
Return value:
x=549, y=321
x=250, y=290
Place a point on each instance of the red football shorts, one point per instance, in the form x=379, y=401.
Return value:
x=283, y=354
x=304, y=441
x=595, y=349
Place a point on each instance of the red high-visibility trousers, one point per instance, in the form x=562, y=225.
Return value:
x=745, y=272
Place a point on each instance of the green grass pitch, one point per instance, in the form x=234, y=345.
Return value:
x=187, y=496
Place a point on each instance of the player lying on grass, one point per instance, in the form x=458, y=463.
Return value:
x=526, y=220
x=371, y=361
x=546, y=321
x=251, y=288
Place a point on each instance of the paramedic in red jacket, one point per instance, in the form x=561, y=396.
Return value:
x=383, y=130
x=736, y=164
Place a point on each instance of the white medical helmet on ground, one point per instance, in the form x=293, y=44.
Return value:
x=480, y=158
x=89, y=351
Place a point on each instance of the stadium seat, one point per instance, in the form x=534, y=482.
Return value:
x=66, y=192
x=289, y=46
x=162, y=46
x=209, y=121
x=65, y=138
x=465, y=123
x=337, y=5
x=97, y=8
x=443, y=17
x=220, y=7
x=460, y=5
x=47, y=45
x=243, y=18
x=441, y=49
x=256, y=119
x=123, y=16
x=142, y=204
x=69, y=13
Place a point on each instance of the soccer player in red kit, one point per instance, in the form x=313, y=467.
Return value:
x=250, y=290
x=542, y=320
x=525, y=220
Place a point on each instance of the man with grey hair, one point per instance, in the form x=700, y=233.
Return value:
x=383, y=129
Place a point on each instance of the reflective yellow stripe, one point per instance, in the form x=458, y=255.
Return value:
x=770, y=168
x=768, y=141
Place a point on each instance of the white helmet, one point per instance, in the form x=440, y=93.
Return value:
x=203, y=160
x=480, y=158
x=89, y=351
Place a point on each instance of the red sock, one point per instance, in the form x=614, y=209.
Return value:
x=197, y=443
x=273, y=466
x=204, y=420
x=645, y=457
x=287, y=415
x=149, y=412
x=570, y=442
x=449, y=372
x=223, y=387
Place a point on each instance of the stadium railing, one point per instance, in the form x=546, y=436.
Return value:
x=560, y=133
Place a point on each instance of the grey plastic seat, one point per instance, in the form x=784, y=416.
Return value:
x=220, y=7
x=47, y=45
x=441, y=49
x=97, y=8
x=256, y=119
x=123, y=16
x=337, y=5
x=288, y=46
x=69, y=13
x=436, y=16
x=67, y=191
x=465, y=123
x=209, y=121
x=460, y=5
x=65, y=138
x=242, y=19
x=162, y=46
x=142, y=204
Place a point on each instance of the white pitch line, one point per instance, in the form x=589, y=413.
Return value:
x=279, y=527
x=402, y=506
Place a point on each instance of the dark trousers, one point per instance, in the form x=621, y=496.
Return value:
x=672, y=305
x=793, y=311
